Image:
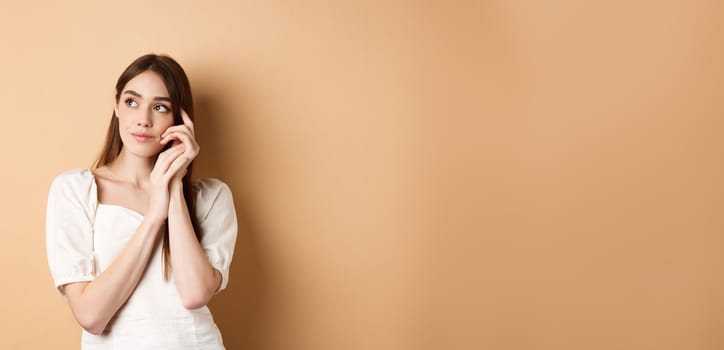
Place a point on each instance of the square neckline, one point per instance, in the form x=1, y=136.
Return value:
x=99, y=204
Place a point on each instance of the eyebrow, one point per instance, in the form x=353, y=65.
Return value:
x=157, y=98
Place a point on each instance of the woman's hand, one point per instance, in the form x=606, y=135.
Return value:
x=183, y=136
x=168, y=164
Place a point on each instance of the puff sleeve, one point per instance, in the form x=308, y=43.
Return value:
x=218, y=225
x=69, y=229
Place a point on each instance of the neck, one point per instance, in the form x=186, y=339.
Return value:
x=132, y=168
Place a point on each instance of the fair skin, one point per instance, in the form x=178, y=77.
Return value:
x=151, y=186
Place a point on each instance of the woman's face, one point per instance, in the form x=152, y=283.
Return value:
x=144, y=113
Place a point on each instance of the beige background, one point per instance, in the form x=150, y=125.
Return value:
x=409, y=174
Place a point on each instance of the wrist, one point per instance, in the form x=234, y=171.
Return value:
x=156, y=223
x=176, y=195
x=176, y=185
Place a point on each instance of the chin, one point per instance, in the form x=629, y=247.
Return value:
x=146, y=152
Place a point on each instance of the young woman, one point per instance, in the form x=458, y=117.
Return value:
x=134, y=245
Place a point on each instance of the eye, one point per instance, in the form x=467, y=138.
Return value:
x=131, y=102
x=160, y=108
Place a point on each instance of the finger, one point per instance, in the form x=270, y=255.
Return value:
x=171, y=149
x=185, y=139
x=182, y=128
x=181, y=136
x=166, y=157
x=176, y=137
x=168, y=152
x=187, y=121
x=178, y=163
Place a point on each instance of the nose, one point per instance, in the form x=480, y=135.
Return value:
x=144, y=120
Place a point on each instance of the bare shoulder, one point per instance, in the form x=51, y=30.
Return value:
x=102, y=173
x=106, y=180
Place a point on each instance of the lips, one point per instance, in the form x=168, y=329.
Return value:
x=142, y=137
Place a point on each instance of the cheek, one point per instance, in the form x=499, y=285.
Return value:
x=165, y=123
x=168, y=121
x=124, y=123
x=124, y=115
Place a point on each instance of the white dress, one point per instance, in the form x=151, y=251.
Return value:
x=83, y=237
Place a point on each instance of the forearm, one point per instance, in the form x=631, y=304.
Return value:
x=196, y=280
x=95, y=303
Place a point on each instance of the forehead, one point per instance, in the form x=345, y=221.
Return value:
x=149, y=84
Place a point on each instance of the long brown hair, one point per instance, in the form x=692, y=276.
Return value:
x=179, y=90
